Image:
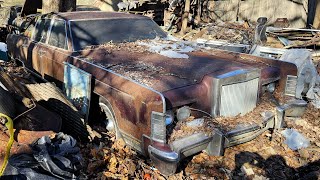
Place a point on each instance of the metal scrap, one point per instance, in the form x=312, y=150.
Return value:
x=237, y=33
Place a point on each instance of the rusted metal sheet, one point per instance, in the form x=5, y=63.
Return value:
x=176, y=73
x=28, y=137
x=22, y=141
x=159, y=72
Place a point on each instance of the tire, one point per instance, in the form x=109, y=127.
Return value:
x=7, y=103
x=109, y=117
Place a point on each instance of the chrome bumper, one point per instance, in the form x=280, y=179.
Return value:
x=167, y=161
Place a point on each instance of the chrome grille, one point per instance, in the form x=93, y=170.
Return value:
x=239, y=98
x=291, y=85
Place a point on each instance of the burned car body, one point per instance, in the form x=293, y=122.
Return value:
x=140, y=91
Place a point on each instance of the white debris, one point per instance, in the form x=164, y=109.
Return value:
x=294, y=139
x=187, y=49
x=195, y=122
x=3, y=47
x=173, y=54
x=308, y=77
x=126, y=5
x=170, y=48
x=247, y=170
x=171, y=38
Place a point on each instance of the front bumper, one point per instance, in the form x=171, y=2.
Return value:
x=167, y=161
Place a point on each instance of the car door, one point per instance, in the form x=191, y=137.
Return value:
x=57, y=48
x=39, y=38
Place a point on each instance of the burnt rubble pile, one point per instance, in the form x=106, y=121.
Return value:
x=228, y=32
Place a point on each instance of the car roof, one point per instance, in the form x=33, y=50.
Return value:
x=83, y=15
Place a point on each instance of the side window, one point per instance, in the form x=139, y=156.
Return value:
x=58, y=35
x=40, y=33
x=28, y=32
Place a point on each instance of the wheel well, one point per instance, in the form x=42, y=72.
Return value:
x=96, y=112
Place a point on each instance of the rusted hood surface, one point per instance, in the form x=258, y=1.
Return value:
x=156, y=71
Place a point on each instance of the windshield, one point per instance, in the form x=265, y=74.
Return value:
x=101, y=31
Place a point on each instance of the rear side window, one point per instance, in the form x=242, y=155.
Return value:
x=58, y=35
x=41, y=31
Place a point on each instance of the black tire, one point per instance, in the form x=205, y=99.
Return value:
x=109, y=114
x=7, y=103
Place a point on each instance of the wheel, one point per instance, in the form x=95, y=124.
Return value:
x=110, y=120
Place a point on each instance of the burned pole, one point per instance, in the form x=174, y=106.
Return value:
x=185, y=16
x=316, y=21
x=49, y=6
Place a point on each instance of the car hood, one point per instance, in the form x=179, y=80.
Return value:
x=159, y=72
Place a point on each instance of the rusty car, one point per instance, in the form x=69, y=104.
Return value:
x=96, y=59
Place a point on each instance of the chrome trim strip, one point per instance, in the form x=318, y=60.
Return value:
x=34, y=29
x=142, y=17
x=232, y=73
x=54, y=19
x=49, y=31
x=71, y=37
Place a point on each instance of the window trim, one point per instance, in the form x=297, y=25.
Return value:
x=35, y=27
x=93, y=19
x=54, y=19
x=71, y=37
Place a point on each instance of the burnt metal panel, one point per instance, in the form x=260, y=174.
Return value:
x=77, y=87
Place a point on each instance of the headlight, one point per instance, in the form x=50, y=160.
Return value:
x=271, y=87
x=183, y=113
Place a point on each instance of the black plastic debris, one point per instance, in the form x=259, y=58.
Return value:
x=56, y=158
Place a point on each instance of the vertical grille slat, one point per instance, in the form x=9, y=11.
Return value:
x=291, y=85
x=239, y=98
